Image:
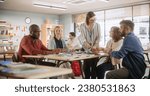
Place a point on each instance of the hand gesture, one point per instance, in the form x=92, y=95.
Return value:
x=95, y=51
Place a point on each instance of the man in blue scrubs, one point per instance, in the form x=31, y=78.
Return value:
x=132, y=53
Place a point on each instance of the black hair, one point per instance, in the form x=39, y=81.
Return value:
x=33, y=27
x=73, y=34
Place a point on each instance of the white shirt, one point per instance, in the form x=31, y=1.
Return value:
x=73, y=44
x=114, y=46
x=93, y=38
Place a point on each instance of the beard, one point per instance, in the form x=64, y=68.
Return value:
x=123, y=33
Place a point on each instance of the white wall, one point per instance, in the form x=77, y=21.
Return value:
x=15, y=17
x=66, y=20
x=17, y=20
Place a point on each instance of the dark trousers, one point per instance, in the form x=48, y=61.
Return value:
x=121, y=73
x=89, y=68
x=40, y=62
x=101, y=69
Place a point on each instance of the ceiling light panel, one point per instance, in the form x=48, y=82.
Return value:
x=105, y=0
x=2, y=0
x=77, y=2
x=49, y=5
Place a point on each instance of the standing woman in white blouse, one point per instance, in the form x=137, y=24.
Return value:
x=90, y=38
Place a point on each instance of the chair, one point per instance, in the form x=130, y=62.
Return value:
x=147, y=73
x=147, y=76
x=107, y=59
x=147, y=55
x=15, y=57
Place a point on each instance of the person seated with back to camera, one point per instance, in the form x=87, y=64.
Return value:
x=113, y=44
x=32, y=45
